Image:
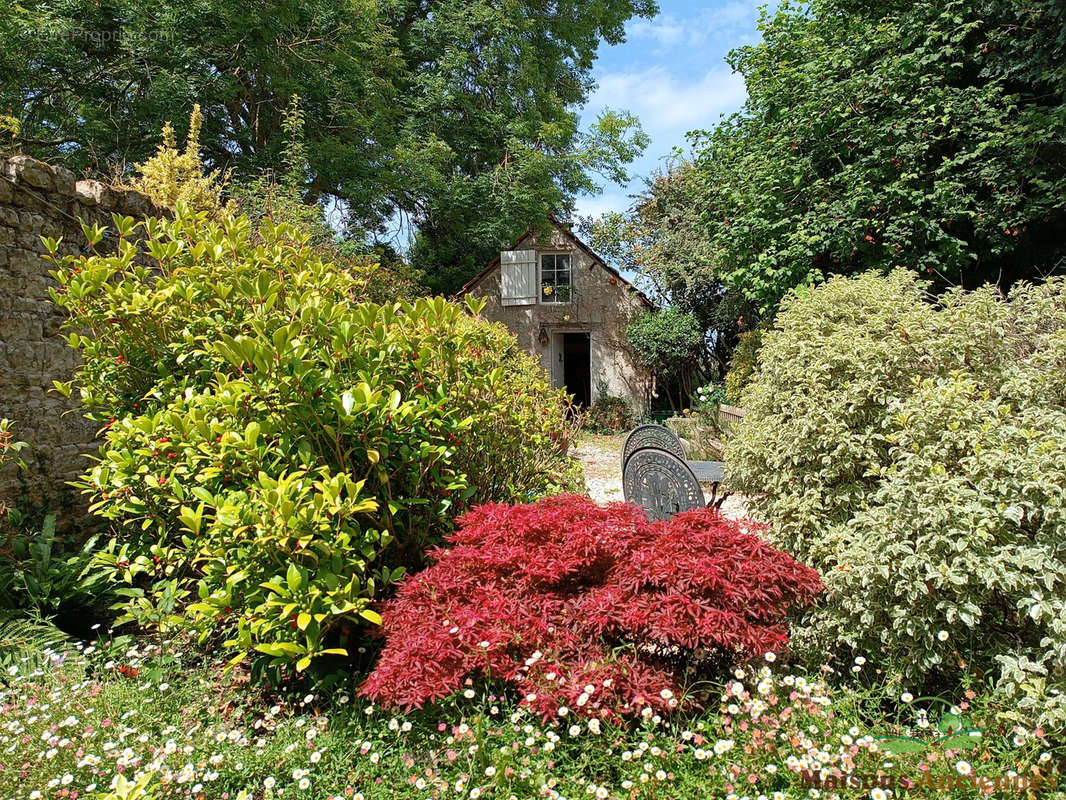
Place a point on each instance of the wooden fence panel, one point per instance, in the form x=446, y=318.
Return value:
x=730, y=415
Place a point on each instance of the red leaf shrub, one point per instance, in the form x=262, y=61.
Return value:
x=560, y=594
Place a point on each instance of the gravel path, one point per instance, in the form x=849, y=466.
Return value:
x=601, y=458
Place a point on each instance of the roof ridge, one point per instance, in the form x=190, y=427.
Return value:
x=470, y=284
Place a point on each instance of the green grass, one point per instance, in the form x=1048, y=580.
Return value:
x=189, y=733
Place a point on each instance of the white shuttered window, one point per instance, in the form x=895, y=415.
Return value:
x=518, y=277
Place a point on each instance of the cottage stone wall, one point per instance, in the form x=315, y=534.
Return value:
x=602, y=306
x=38, y=200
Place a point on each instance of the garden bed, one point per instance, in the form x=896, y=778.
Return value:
x=177, y=730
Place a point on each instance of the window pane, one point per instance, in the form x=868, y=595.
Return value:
x=555, y=278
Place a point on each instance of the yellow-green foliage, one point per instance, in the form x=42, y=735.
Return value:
x=280, y=450
x=911, y=450
x=9, y=129
x=174, y=178
x=742, y=367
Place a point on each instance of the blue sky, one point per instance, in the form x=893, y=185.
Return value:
x=671, y=73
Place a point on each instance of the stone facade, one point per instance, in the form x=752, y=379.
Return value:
x=40, y=200
x=602, y=305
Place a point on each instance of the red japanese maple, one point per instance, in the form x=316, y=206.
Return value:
x=561, y=594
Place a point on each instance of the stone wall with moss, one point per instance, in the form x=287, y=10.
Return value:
x=37, y=200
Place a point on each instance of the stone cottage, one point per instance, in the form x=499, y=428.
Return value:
x=569, y=309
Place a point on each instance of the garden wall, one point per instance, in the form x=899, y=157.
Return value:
x=38, y=200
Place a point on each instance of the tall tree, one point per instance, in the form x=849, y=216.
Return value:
x=459, y=115
x=929, y=135
x=661, y=239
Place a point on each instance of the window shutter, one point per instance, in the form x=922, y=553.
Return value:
x=518, y=277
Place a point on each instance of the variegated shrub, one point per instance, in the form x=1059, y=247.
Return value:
x=914, y=452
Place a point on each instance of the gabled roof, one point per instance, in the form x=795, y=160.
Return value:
x=576, y=241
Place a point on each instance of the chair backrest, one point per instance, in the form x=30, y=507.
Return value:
x=651, y=436
x=661, y=483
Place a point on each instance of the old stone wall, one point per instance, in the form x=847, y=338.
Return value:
x=38, y=200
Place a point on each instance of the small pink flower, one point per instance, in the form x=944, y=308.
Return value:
x=451, y=755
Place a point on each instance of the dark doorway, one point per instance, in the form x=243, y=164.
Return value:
x=577, y=367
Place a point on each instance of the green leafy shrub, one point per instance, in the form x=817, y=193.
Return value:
x=669, y=342
x=742, y=366
x=9, y=454
x=45, y=575
x=277, y=451
x=609, y=414
x=913, y=454
x=173, y=178
x=705, y=402
x=38, y=580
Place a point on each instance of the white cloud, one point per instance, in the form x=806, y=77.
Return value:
x=665, y=30
x=667, y=105
x=730, y=24
x=608, y=201
x=672, y=74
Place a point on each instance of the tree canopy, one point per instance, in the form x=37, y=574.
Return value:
x=668, y=342
x=927, y=135
x=662, y=239
x=458, y=116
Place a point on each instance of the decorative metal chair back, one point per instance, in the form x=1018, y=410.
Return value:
x=661, y=483
x=651, y=436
